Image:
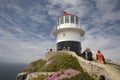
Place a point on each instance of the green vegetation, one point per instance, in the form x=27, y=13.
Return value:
x=63, y=61
x=38, y=65
x=40, y=77
x=81, y=76
x=58, y=62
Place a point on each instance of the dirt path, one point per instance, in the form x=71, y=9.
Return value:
x=113, y=70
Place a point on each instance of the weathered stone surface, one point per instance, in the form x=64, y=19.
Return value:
x=110, y=71
x=93, y=68
x=36, y=74
x=96, y=69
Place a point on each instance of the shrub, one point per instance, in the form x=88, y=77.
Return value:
x=83, y=76
x=38, y=65
x=40, y=77
x=58, y=62
x=63, y=61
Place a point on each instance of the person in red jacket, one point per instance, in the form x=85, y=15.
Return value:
x=100, y=57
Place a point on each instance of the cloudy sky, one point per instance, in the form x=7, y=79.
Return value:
x=26, y=27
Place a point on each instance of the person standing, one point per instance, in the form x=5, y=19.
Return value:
x=87, y=54
x=100, y=57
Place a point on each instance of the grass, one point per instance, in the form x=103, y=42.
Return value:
x=60, y=61
x=63, y=61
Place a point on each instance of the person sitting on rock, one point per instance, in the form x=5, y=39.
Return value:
x=87, y=54
x=100, y=57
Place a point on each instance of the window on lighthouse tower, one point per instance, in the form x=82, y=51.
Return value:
x=66, y=19
x=60, y=20
x=72, y=19
x=76, y=20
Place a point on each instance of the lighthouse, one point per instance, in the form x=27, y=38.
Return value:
x=68, y=33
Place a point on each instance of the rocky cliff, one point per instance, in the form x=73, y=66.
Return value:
x=110, y=71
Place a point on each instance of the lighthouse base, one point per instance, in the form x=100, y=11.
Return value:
x=70, y=46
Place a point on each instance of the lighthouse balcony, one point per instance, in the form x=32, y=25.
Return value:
x=68, y=25
x=56, y=31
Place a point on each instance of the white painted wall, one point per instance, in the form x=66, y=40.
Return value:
x=68, y=36
x=68, y=25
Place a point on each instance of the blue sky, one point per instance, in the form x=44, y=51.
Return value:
x=26, y=27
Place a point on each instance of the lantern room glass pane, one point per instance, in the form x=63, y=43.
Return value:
x=72, y=19
x=61, y=20
x=66, y=19
x=76, y=20
x=58, y=22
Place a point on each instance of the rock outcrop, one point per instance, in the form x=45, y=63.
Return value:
x=96, y=69
x=111, y=71
x=93, y=68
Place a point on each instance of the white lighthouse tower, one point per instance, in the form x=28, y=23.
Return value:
x=68, y=33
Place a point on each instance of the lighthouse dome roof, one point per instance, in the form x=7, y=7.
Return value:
x=67, y=14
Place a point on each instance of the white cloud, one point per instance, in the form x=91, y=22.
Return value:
x=97, y=17
x=108, y=9
x=112, y=54
x=19, y=49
